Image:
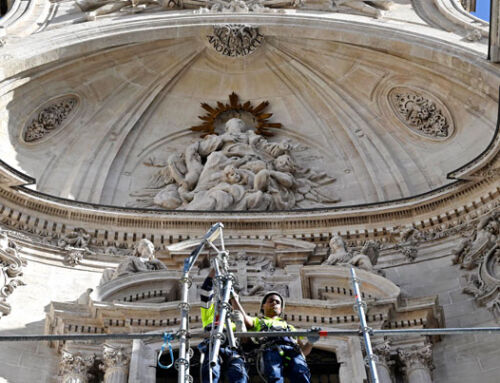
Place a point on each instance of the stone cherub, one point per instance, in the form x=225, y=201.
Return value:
x=339, y=255
x=142, y=260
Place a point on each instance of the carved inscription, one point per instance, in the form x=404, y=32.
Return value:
x=421, y=113
x=235, y=40
x=50, y=118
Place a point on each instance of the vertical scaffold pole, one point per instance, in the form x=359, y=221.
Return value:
x=360, y=305
x=182, y=362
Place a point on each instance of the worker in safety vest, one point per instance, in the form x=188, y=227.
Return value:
x=231, y=363
x=282, y=356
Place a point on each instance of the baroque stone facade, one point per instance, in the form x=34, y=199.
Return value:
x=346, y=141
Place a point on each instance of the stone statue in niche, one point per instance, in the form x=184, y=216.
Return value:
x=373, y=8
x=142, y=260
x=237, y=170
x=339, y=254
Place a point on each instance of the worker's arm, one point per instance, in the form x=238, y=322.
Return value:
x=305, y=346
x=249, y=321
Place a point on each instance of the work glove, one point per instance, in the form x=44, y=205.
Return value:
x=313, y=335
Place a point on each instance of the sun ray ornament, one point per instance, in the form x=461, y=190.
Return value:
x=253, y=116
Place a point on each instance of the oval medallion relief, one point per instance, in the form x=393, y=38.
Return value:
x=422, y=113
x=50, y=118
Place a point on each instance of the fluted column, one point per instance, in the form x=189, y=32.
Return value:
x=115, y=364
x=74, y=367
x=417, y=363
x=383, y=353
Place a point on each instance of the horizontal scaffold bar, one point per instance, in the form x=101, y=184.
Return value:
x=263, y=334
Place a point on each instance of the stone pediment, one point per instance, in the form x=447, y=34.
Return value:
x=333, y=283
x=156, y=286
x=278, y=251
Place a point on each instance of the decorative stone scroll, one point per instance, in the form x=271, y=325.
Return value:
x=421, y=113
x=50, y=118
x=480, y=253
x=11, y=265
x=235, y=40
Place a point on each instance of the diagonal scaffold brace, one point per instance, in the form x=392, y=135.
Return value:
x=223, y=289
x=182, y=362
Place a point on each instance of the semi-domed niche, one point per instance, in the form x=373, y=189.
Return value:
x=322, y=124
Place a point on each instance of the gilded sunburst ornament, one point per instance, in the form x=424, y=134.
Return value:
x=253, y=116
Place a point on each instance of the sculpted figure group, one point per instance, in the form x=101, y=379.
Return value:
x=238, y=170
x=96, y=8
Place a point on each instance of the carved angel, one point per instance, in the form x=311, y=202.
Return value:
x=339, y=255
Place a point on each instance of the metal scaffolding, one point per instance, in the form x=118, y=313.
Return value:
x=225, y=282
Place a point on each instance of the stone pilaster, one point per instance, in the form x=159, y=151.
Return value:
x=115, y=364
x=74, y=367
x=383, y=353
x=417, y=362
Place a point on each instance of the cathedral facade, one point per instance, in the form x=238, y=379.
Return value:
x=323, y=135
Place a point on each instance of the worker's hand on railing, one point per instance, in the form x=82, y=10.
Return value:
x=313, y=335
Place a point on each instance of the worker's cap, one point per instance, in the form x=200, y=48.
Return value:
x=268, y=294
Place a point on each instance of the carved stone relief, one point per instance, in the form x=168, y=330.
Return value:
x=480, y=254
x=374, y=8
x=421, y=113
x=50, y=118
x=235, y=40
x=11, y=265
x=96, y=8
x=237, y=170
x=417, y=362
x=74, y=367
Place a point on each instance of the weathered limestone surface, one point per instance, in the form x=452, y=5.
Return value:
x=389, y=98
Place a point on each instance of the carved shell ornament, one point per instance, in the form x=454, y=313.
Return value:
x=50, y=118
x=422, y=113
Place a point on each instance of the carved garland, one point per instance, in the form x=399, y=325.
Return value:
x=235, y=109
x=50, y=118
x=421, y=113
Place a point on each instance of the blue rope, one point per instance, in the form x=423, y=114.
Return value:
x=167, y=338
